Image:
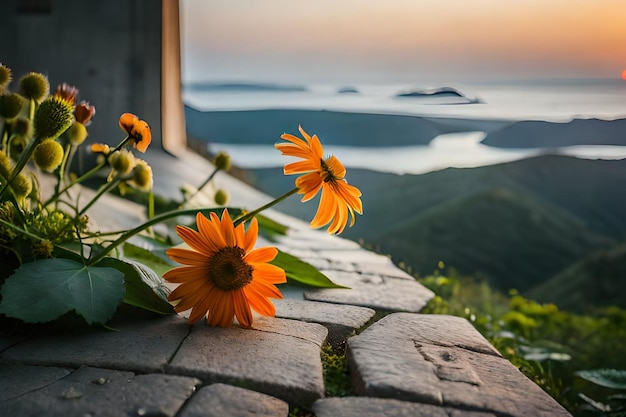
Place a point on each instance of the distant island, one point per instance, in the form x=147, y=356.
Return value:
x=542, y=134
x=209, y=86
x=347, y=90
x=442, y=92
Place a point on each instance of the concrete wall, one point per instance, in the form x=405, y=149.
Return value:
x=111, y=50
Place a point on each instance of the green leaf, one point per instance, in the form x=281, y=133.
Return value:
x=45, y=289
x=144, y=288
x=609, y=378
x=152, y=255
x=269, y=228
x=302, y=272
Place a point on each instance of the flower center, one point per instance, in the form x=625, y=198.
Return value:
x=327, y=174
x=228, y=271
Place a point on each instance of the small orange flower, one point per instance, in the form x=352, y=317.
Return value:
x=222, y=273
x=339, y=199
x=100, y=148
x=137, y=130
x=84, y=112
x=67, y=92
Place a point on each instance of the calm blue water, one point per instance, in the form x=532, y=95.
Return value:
x=539, y=100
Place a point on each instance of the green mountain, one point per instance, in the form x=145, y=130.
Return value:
x=512, y=238
x=517, y=224
x=599, y=279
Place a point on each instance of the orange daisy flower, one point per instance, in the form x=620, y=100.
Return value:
x=137, y=130
x=339, y=199
x=222, y=273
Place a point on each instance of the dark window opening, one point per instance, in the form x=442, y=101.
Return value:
x=34, y=6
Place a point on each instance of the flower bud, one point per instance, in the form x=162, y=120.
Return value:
x=6, y=166
x=5, y=76
x=84, y=112
x=10, y=105
x=76, y=133
x=17, y=144
x=102, y=148
x=52, y=118
x=221, y=197
x=22, y=127
x=21, y=185
x=222, y=161
x=34, y=86
x=67, y=92
x=122, y=161
x=42, y=249
x=142, y=176
x=48, y=155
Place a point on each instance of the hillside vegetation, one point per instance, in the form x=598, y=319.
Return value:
x=516, y=224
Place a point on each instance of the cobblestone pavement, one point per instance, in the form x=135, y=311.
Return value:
x=403, y=364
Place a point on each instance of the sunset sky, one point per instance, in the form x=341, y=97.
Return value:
x=402, y=40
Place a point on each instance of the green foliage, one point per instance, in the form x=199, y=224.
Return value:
x=609, y=378
x=144, y=288
x=302, y=272
x=45, y=289
x=335, y=368
x=480, y=220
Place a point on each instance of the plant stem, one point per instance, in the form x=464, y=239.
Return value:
x=132, y=232
x=28, y=152
x=85, y=176
x=109, y=186
x=203, y=184
x=249, y=215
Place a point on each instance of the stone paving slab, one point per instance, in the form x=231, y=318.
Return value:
x=444, y=361
x=277, y=357
x=377, y=407
x=374, y=291
x=139, y=346
x=220, y=400
x=102, y=393
x=17, y=380
x=342, y=321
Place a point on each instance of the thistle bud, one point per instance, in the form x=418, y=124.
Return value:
x=11, y=105
x=222, y=161
x=17, y=144
x=22, y=127
x=48, y=155
x=6, y=166
x=122, y=161
x=221, y=197
x=52, y=118
x=5, y=76
x=76, y=133
x=34, y=86
x=142, y=176
x=21, y=185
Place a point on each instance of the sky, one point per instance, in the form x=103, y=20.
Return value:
x=385, y=41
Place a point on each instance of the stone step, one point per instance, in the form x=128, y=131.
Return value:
x=443, y=361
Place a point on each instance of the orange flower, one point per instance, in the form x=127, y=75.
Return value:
x=137, y=130
x=339, y=199
x=222, y=273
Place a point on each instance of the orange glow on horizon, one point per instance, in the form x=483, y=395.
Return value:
x=624, y=75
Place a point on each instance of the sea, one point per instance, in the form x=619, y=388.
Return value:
x=554, y=100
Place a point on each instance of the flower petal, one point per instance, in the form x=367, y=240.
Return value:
x=268, y=273
x=228, y=229
x=242, y=308
x=259, y=302
x=193, y=239
x=251, y=235
x=265, y=254
x=210, y=232
x=186, y=256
